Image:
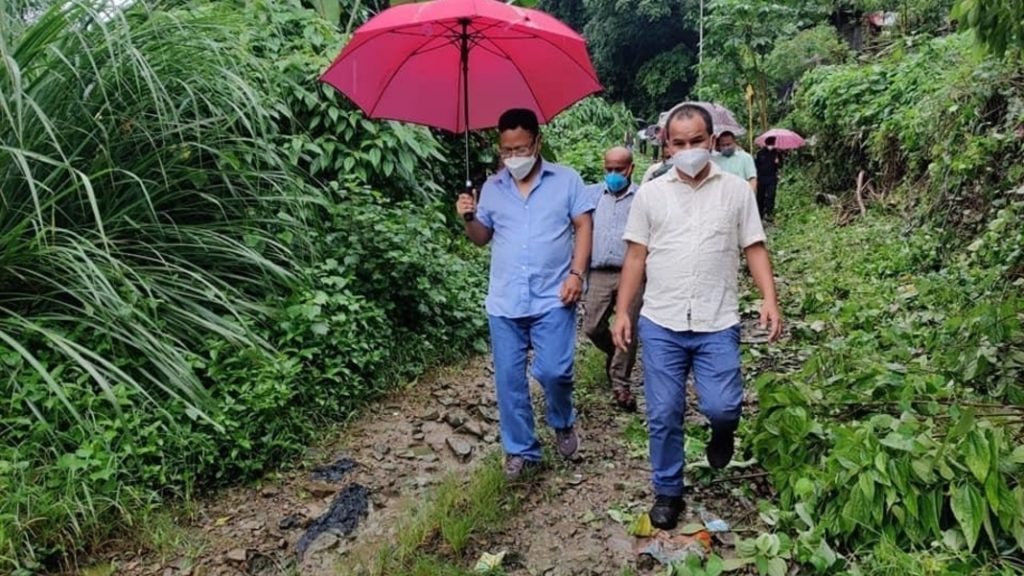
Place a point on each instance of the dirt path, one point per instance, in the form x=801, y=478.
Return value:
x=388, y=461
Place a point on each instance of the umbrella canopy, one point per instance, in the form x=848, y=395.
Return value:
x=422, y=63
x=784, y=139
x=721, y=117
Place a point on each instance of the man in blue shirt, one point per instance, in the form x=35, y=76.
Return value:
x=537, y=217
x=612, y=199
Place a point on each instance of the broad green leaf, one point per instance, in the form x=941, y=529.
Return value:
x=714, y=566
x=733, y=564
x=970, y=510
x=867, y=486
x=746, y=548
x=777, y=567
x=691, y=528
x=824, y=557
x=977, y=455
x=620, y=516
x=924, y=470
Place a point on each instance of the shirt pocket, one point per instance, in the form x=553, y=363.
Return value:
x=719, y=231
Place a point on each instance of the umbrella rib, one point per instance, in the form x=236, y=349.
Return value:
x=567, y=55
x=380, y=95
x=536, y=100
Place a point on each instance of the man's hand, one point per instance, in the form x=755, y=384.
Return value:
x=466, y=204
x=771, y=318
x=572, y=289
x=622, y=332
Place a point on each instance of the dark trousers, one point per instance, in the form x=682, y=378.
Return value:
x=766, y=197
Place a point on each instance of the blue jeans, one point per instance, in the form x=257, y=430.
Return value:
x=668, y=356
x=552, y=335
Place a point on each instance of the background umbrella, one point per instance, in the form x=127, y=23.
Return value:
x=722, y=118
x=784, y=139
x=422, y=63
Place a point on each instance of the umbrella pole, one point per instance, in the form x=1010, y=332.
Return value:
x=464, y=57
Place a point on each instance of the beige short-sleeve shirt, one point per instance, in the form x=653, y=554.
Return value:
x=694, y=237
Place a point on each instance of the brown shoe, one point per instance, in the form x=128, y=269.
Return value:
x=624, y=399
x=519, y=468
x=567, y=442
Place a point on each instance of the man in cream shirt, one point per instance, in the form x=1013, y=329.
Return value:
x=685, y=232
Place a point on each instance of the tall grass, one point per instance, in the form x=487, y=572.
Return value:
x=141, y=204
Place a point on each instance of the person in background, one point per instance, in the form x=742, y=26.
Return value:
x=612, y=198
x=537, y=217
x=658, y=168
x=768, y=162
x=733, y=160
x=685, y=234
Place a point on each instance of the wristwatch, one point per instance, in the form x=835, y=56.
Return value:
x=575, y=273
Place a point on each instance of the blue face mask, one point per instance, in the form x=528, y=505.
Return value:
x=615, y=182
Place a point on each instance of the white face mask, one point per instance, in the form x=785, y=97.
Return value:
x=520, y=166
x=692, y=161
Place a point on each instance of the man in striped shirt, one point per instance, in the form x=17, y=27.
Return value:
x=613, y=199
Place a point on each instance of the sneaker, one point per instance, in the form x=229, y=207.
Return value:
x=624, y=399
x=722, y=444
x=666, y=510
x=567, y=442
x=517, y=467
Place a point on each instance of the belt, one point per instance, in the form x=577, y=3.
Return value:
x=607, y=269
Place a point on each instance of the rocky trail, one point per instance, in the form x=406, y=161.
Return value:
x=344, y=504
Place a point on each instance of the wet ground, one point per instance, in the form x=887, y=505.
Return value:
x=333, y=513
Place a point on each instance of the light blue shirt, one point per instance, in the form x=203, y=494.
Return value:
x=610, y=217
x=532, y=245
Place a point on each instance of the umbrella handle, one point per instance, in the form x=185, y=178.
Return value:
x=468, y=216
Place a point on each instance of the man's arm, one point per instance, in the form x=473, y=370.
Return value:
x=630, y=280
x=750, y=169
x=478, y=233
x=572, y=288
x=761, y=270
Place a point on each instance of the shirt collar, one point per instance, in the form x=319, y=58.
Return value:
x=714, y=172
x=630, y=190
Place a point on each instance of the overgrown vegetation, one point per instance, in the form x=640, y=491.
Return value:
x=205, y=257
x=941, y=123
x=580, y=136
x=897, y=446
x=903, y=428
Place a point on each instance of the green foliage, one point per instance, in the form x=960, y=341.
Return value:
x=580, y=136
x=791, y=57
x=184, y=302
x=939, y=119
x=624, y=36
x=997, y=24
x=902, y=428
x=740, y=37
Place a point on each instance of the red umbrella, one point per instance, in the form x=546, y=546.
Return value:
x=784, y=139
x=421, y=63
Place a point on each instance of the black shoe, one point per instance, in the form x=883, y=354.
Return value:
x=722, y=444
x=624, y=399
x=666, y=510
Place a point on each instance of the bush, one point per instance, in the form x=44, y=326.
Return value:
x=580, y=136
x=183, y=303
x=939, y=121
